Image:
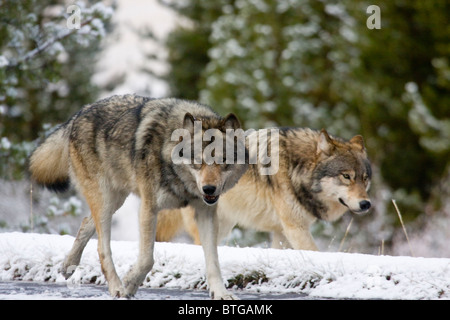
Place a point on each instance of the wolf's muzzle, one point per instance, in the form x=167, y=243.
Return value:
x=364, y=205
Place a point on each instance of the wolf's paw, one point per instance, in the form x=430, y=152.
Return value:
x=223, y=296
x=68, y=270
x=131, y=290
x=229, y=297
x=131, y=286
x=118, y=292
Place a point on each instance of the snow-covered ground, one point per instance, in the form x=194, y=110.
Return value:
x=38, y=257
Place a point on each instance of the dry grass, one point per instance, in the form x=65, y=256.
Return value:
x=403, y=226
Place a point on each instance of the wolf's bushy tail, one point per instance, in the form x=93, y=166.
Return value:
x=49, y=162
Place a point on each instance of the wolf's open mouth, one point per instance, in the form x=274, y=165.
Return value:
x=210, y=199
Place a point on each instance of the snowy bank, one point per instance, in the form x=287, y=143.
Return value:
x=38, y=257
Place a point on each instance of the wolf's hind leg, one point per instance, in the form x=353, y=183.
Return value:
x=85, y=233
x=103, y=202
x=103, y=206
x=87, y=230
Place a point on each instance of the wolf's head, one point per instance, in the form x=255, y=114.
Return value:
x=342, y=175
x=211, y=163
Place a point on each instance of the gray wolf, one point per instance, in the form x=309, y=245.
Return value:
x=122, y=145
x=319, y=177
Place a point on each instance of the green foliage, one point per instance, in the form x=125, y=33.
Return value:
x=280, y=63
x=241, y=281
x=190, y=60
x=13, y=158
x=401, y=84
x=45, y=67
x=189, y=46
x=45, y=71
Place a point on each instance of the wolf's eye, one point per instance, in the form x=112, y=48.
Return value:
x=346, y=176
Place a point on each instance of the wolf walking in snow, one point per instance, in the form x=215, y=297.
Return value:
x=122, y=145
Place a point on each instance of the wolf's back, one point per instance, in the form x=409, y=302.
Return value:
x=49, y=163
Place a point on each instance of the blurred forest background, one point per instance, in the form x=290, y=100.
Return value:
x=305, y=63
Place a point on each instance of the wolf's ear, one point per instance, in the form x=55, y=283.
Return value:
x=325, y=144
x=188, y=122
x=231, y=122
x=358, y=141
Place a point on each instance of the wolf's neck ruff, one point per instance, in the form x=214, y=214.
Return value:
x=310, y=201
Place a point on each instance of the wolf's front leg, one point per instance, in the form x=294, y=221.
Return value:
x=208, y=227
x=147, y=231
x=296, y=223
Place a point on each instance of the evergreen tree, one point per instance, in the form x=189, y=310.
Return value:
x=47, y=58
x=188, y=45
x=280, y=63
x=403, y=96
x=45, y=66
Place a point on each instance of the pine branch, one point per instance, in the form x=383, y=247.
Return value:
x=62, y=35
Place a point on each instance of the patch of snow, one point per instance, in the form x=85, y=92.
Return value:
x=38, y=257
x=3, y=61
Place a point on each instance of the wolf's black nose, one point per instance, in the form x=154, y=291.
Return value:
x=365, y=205
x=209, y=189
